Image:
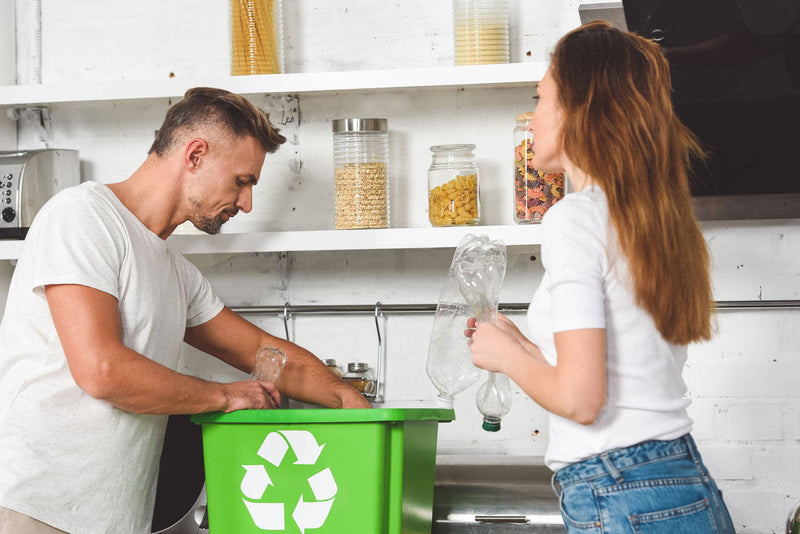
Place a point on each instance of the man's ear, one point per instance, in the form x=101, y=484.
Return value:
x=194, y=152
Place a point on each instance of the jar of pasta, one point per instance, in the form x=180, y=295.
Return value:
x=360, y=158
x=534, y=191
x=453, y=194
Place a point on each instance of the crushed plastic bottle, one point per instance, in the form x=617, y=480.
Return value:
x=449, y=365
x=480, y=273
x=471, y=289
x=268, y=364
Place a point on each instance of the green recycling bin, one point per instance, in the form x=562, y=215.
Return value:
x=324, y=471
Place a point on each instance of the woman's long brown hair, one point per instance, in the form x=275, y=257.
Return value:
x=619, y=126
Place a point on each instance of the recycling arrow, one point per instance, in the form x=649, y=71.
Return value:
x=256, y=480
x=311, y=514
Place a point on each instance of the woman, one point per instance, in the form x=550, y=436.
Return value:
x=626, y=288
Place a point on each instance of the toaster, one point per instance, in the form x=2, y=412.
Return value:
x=28, y=178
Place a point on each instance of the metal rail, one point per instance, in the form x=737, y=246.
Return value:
x=287, y=309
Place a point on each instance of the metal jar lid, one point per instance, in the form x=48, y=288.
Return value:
x=358, y=367
x=359, y=125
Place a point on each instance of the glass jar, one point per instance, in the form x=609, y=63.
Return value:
x=360, y=377
x=360, y=160
x=480, y=31
x=330, y=363
x=453, y=192
x=534, y=191
x=256, y=37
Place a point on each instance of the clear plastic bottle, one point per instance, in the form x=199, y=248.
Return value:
x=480, y=31
x=453, y=186
x=268, y=364
x=534, y=192
x=450, y=371
x=494, y=400
x=360, y=158
x=360, y=377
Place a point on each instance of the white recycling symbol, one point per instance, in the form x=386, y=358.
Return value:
x=306, y=514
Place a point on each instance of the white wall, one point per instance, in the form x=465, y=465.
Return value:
x=746, y=404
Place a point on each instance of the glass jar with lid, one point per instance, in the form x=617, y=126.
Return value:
x=480, y=31
x=360, y=158
x=453, y=186
x=360, y=376
x=534, y=191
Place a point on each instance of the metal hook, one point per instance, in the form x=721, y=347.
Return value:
x=286, y=315
x=381, y=356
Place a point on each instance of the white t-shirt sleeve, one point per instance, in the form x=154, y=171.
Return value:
x=76, y=242
x=574, y=256
x=201, y=302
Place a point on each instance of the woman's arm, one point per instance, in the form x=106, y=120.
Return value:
x=575, y=388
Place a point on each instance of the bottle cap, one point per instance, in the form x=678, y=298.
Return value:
x=444, y=402
x=329, y=362
x=490, y=426
x=357, y=367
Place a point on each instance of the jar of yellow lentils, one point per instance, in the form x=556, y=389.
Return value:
x=453, y=194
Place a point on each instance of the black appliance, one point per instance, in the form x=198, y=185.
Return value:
x=736, y=72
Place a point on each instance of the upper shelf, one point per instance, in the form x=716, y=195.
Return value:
x=306, y=83
x=320, y=240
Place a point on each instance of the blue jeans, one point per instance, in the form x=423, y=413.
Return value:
x=653, y=487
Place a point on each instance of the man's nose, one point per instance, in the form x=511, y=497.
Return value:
x=245, y=200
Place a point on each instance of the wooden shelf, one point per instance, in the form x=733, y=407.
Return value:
x=299, y=83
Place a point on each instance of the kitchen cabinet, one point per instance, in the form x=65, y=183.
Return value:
x=326, y=85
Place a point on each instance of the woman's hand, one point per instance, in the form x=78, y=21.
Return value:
x=493, y=346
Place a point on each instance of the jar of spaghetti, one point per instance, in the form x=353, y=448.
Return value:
x=256, y=37
x=453, y=193
x=534, y=191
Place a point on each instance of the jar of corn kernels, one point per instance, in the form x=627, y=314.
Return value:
x=360, y=158
x=453, y=194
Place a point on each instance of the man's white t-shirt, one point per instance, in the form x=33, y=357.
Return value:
x=68, y=459
x=587, y=285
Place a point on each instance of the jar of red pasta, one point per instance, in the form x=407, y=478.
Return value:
x=534, y=191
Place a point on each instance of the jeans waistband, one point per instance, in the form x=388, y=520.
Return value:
x=614, y=461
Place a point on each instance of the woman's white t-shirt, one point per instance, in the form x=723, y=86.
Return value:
x=70, y=460
x=587, y=285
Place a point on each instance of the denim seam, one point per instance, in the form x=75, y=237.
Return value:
x=653, y=483
x=622, y=470
x=679, y=511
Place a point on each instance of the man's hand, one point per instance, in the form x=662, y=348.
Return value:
x=250, y=395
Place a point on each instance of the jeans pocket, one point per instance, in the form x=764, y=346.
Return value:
x=697, y=518
x=579, y=508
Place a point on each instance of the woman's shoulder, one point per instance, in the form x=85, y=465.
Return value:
x=583, y=208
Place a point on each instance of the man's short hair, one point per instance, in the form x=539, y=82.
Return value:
x=207, y=106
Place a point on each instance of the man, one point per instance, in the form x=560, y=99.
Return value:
x=97, y=309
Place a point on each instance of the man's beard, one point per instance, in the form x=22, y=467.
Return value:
x=208, y=224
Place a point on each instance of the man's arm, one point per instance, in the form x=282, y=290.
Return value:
x=88, y=325
x=235, y=341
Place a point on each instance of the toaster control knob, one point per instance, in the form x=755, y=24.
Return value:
x=9, y=214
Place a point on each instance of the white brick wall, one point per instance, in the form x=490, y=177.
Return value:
x=746, y=402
